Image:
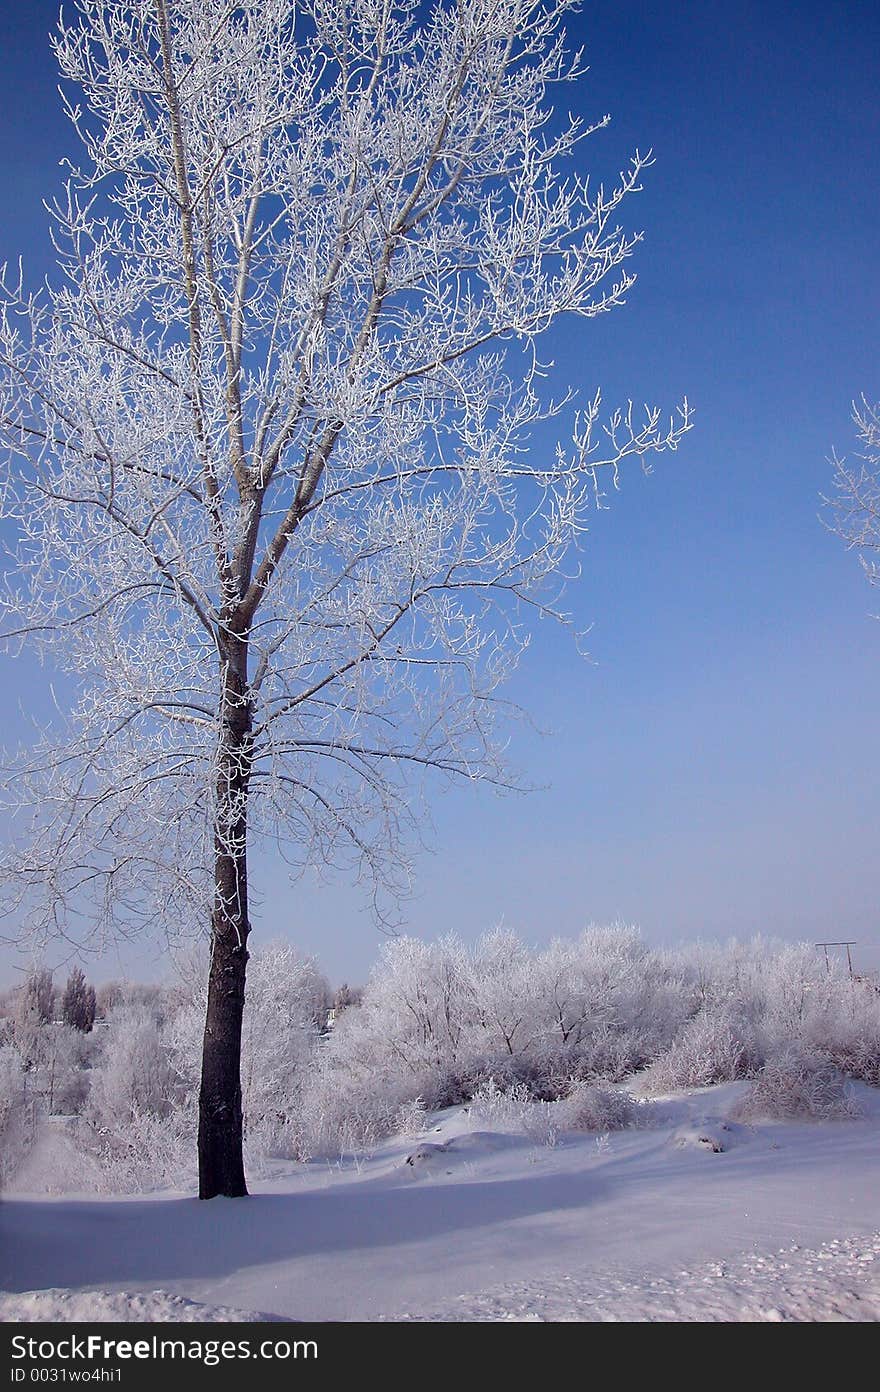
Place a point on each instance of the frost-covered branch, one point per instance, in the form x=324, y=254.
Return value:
x=853, y=511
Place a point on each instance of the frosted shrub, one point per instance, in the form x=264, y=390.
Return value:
x=142, y=1109
x=718, y=1045
x=500, y=1109
x=591, y=1108
x=797, y=1084
x=845, y=1026
x=419, y=1009
x=135, y=1074
x=856, y=1056
x=505, y=997
x=64, y=1078
x=148, y=1152
x=607, y=1005
x=16, y=1131
x=513, y=1110
x=341, y=1112
x=411, y=1119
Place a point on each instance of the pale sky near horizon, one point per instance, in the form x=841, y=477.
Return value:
x=713, y=771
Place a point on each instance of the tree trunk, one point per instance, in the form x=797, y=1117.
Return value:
x=221, y=1161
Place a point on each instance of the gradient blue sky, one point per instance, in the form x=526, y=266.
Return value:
x=714, y=772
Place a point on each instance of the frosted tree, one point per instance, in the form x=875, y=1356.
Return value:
x=34, y=1008
x=854, y=509
x=37, y=997
x=268, y=448
x=78, y=1002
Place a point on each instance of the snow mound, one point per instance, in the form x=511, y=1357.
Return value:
x=483, y=1142
x=425, y=1155
x=470, y=1145
x=109, y=1307
x=710, y=1133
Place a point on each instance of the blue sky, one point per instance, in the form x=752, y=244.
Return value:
x=713, y=771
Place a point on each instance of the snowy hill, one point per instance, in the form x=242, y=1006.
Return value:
x=468, y=1221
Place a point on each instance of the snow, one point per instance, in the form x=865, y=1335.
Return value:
x=781, y=1222
x=110, y=1307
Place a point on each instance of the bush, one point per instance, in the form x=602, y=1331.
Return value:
x=144, y=1152
x=16, y=1115
x=845, y=1026
x=513, y=1109
x=287, y=1003
x=718, y=1045
x=411, y=1119
x=135, y=1074
x=591, y=1108
x=797, y=1085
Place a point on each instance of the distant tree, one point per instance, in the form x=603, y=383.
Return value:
x=37, y=997
x=853, y=511
x=34, y=1009
x=107, y=997
x=346, y=995
x=274, y=444
x=78, y=1003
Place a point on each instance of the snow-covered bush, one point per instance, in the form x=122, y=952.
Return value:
x=347, y=1109
x=135, y=1074
x=16, y=1122
x=140, y=1122
x=145, y=1152
x=600, y=1109
x=797, y=1084
x=608, y=1004
x=64, y=1077
x=718, y=1045
x=845, y=1025
x=776, y=996
x=514, y=1110
x=143, y=1107
x=498, y=1108
x=411, y=1119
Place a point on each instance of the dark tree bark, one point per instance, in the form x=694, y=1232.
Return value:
x=221, y=1160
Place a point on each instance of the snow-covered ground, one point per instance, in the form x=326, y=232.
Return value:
x=692, y=1217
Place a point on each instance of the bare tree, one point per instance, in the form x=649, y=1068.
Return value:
x=853, y=511
x=280, y=521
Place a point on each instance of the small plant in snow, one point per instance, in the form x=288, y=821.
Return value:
x=411, y=1118
x=590, y=1108
x=513, y=1109
x=500, y=1109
